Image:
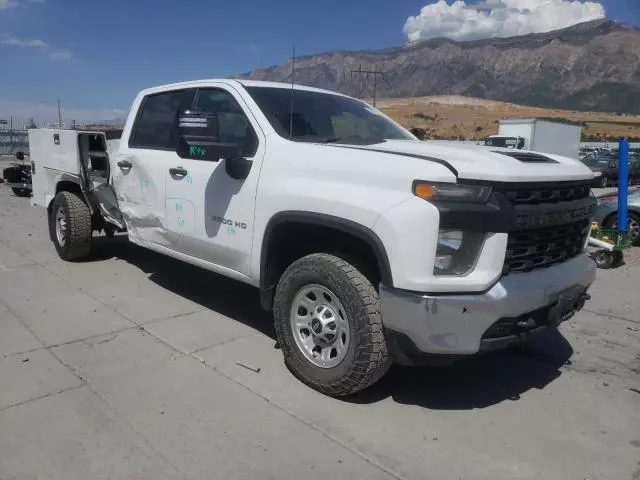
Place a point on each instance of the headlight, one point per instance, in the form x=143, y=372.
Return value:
x=457, y=252
x=451, y=192
x=597, y=174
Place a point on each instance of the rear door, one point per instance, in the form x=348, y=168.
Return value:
x=210, y=212
x=141, y=164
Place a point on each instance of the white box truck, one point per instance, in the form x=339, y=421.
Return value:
x=538, y=135
x=369, y=246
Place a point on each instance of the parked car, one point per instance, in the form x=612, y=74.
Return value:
x=607, y=213
x=605, y=169
x=18, y=176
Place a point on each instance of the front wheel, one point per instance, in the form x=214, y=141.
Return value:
x=329, y=326
x=70, y=226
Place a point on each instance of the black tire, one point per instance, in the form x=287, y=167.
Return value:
x=604, y=259
x=367, y=358
x=77, y=244
x=21, y=192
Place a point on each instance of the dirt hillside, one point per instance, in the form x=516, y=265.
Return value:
x=453, y=116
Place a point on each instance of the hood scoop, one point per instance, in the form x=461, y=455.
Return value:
x=527, y=157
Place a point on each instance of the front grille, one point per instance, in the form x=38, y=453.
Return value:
x=547, y=193
x=533, y=242
x=541, y=247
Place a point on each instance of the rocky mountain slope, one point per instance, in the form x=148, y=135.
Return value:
x=592, y=66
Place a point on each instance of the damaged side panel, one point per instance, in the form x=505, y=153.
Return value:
x=140, y=193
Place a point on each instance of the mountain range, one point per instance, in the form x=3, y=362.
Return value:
x=591, y=66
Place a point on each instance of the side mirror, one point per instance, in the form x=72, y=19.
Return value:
x=419, y=133
x=199, y=138
x=19, y=156
x=520, y=144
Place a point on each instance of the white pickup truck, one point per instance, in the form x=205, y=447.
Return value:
x=368, y=245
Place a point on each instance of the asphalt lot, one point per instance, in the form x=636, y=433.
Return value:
x=125, y=367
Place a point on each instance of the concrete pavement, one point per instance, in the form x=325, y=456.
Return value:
x=126, y=367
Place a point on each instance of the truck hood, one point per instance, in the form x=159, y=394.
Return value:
x=474, y=162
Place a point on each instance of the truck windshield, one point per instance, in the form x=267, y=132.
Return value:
x=503, y=142
x=317, y=117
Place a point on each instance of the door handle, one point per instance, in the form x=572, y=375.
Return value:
x=178, y=172
x=125, y=164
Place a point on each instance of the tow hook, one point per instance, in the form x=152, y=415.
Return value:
x=583, y=299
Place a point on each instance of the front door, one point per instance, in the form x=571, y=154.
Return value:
x=139, y=168
x=210, y=212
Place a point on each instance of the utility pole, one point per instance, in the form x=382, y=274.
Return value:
x=59, y=114
x=375, y=73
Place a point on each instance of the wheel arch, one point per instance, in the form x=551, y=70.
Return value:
x=269, y=276
x=67, y=182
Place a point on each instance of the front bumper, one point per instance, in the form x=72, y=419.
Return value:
x=518, y=306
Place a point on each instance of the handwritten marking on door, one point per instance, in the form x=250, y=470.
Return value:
x=197, y=151
x=180, y=214
x=179, y=211
x=189, y=179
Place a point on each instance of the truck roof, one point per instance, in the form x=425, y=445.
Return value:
x=236, y=82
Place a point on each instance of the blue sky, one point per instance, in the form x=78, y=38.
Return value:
x=96, y=55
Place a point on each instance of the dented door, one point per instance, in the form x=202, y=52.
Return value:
x=139, y=168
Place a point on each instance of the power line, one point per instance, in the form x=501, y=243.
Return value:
x=366, y=75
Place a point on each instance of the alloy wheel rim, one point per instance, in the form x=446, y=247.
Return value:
x=320, y=326
x=633, y=228
x=61, y=227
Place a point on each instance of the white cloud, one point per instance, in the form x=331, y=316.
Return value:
x=59, y=55
x=498, y=18
x=48, y=113
x=43, y=47
x=14, y=3
x=51, y=52
x=23, y=42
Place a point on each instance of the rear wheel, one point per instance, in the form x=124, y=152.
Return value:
x=329, y=326
x=70, y=226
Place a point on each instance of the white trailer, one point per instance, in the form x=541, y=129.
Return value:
x=538, y=135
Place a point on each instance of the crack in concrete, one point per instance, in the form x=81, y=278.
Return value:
x=611, y=315
x=47, y=395
x=367, y=458
x=115, y=413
